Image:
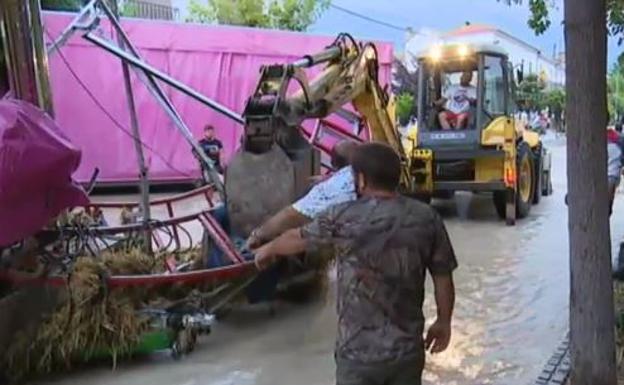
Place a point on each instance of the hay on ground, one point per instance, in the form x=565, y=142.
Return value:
x=93, y=320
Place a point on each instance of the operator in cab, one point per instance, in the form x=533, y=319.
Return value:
x=456, y=103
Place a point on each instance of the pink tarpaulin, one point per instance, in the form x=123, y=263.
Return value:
x=221, y=62
x=36, y=164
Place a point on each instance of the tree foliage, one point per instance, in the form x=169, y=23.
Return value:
x=539, y=20
x=540, y=15
x=126, y=8
x=61, y=5
x=615, y=89
x=405, y=85
x=294, y=15
x=404, y=79
x=554, y=100
x=404, y=107
x=531, y=92
x=534, y=95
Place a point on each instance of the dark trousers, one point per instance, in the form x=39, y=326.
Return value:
x=264, y=286
x=407, y=371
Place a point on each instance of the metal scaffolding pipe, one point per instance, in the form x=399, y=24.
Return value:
x=87, y=20
x=160, y=96
x=25, y=53
x=102, y=43
x=138, y=146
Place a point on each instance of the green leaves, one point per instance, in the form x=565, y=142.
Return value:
x=615, y=88
x=405, y=107
x=539, y=20
x=555, y=100
x=615, y=15
x=294, y=15
x=540, y=17
x=531, y=91
x=61, y=5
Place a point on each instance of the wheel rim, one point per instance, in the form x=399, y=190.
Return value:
x=524, y=182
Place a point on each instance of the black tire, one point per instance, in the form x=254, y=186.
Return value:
x=547, y=188
x=523, y=203
x=549, y=191
x=500, y=203
x=538, y=175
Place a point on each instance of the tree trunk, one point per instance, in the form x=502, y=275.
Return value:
x=592, y=330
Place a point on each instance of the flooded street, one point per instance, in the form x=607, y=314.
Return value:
x=511, y=311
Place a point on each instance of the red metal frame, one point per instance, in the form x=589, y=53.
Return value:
x=207, y=191
x=210, y=225
x=239, y=265
x=320, y=126
x=195, y=276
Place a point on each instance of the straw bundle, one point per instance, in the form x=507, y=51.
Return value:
x=92, y=321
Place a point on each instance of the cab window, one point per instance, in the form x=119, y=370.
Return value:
x=494, y=87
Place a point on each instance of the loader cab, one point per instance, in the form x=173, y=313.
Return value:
x=441, y=69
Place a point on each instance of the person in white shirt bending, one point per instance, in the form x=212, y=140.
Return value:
x=456, y=102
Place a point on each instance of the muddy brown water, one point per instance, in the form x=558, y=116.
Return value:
x=511, y=311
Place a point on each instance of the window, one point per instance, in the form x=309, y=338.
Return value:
x=439, y=81
x=494, y=86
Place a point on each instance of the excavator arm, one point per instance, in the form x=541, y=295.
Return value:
x=350, y=76
x=273, y=166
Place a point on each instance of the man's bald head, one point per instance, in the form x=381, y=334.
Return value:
x=342, y=153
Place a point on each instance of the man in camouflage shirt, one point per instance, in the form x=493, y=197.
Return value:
x=384, y=244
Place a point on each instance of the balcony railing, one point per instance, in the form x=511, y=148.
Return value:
x=147, y=10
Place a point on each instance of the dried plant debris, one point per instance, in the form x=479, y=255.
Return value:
x=94, y=320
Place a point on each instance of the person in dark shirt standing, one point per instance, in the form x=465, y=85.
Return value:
x=384, y=245
x=212, y=146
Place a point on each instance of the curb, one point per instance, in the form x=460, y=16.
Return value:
x=557, y=369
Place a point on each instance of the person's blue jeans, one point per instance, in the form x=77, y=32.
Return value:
x=216, y=257
x=264, y=286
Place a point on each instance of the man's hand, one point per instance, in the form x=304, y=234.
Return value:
x=264, y=256
x=438, y=336
x=254, y=241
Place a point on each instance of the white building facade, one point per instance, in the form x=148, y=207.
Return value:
x=522, y=54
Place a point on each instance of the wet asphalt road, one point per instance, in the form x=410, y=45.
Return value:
x=511, y=311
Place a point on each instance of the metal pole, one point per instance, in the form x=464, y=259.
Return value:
x=27, y=71
x=86, y=19
x=168, y=106
x=25, y=53
x=164, y=77
x=173, y=114
x=143, y=172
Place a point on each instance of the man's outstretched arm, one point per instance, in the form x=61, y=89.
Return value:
x=289, y=243
x=285, y=219
x=317, y=233
x=439, y=334
x=441, y=266
x=338, y=188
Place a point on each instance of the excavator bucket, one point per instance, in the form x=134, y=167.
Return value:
x=259, y=185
